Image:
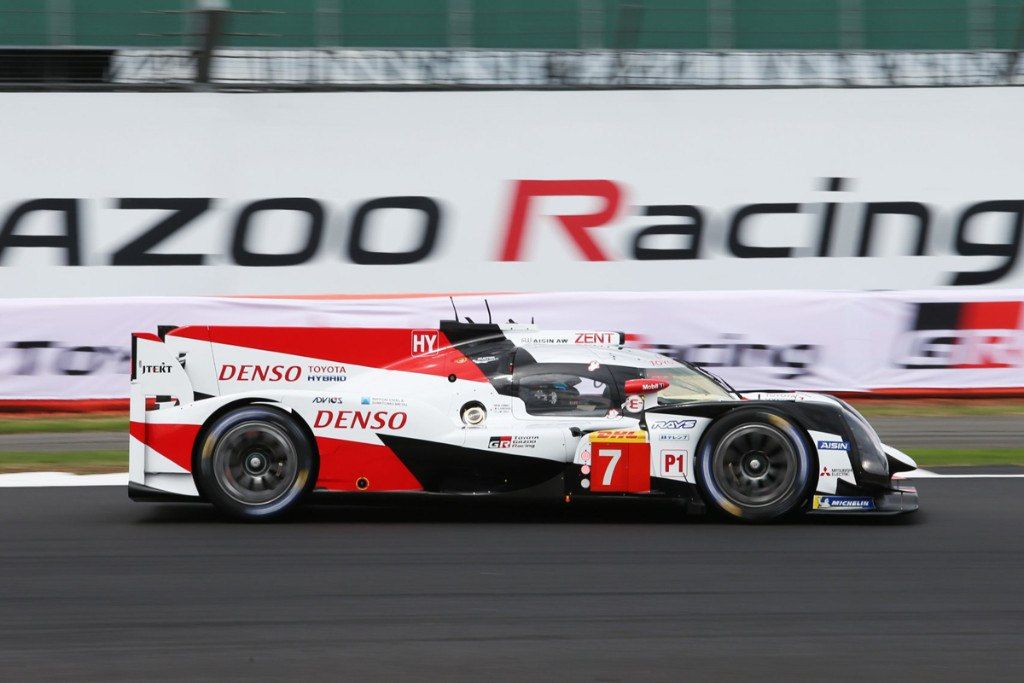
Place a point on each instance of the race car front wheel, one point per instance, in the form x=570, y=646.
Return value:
x=755, y=465
x=255, y=463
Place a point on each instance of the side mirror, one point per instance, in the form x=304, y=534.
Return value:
x=651, y=385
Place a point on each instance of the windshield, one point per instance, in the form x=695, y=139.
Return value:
x=686, y=384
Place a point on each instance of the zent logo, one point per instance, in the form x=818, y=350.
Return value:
x=424, y=341
x=675, y=424
x=597, y=338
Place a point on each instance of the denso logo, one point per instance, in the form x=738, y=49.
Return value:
x=360, y=419
x=260, y=373
x=674, y=424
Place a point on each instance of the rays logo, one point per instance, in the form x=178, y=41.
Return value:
x=674, y=424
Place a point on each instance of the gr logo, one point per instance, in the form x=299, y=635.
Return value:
x=964, y=335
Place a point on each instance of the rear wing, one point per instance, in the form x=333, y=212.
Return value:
x=157, y=372
x=157, y=379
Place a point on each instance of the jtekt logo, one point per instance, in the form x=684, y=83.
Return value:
x=968, y=334
x=162, y=368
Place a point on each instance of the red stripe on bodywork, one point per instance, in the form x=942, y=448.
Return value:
x=343, y=463
x=388, y=348
x=173, y=441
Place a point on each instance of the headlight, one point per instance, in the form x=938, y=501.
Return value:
x=473, y=414
x=869, y=446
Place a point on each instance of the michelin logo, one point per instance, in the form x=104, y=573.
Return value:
x=833, y=445
x=842, y=503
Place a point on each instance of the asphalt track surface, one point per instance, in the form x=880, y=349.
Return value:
x=95, y=587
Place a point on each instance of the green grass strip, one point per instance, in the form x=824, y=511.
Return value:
x=14, y=425
x=938, y=457
x=65, y=461
x=928, y=409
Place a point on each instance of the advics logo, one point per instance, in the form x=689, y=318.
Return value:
x=969, y=334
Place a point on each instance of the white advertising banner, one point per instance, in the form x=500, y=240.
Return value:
x=832, y=341
x=181, y=194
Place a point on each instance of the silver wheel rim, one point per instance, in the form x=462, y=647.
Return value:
x=255, y=463
x=755, y=465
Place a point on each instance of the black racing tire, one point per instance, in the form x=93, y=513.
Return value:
x=755, y=465
x=255, y=463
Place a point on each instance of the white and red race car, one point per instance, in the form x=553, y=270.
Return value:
x=254, y=419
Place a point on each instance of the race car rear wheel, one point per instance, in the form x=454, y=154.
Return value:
x=255, y=463
x=755, y=465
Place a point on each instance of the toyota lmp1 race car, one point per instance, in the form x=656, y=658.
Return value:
x=255, y=419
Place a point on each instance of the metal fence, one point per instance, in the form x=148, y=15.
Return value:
x=524, y=24
x=508, y=43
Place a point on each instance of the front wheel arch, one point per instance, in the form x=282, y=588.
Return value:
x=792, y=501
x=271, y=407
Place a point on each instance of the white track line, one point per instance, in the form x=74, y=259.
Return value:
x=36, y=479
x=928, y=474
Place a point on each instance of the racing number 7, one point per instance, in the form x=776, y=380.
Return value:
x=609, y=472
